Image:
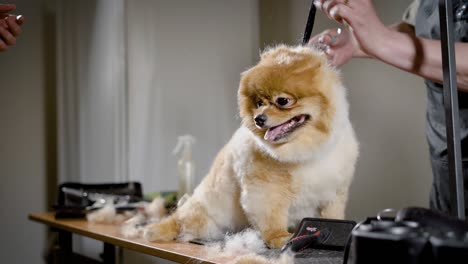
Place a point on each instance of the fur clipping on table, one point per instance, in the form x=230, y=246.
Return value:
x=242, y=243
x=241, y=248
x=106, y=215
x=246, y=247
x=131, y=222
x=156, y=210
x=132, y=228
x=152, y=212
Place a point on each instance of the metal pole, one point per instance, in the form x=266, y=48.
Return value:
x=451, y=109
x=309, y=24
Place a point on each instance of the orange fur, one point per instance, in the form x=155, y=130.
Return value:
x=306, y=77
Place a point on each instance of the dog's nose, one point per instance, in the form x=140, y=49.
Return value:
x=260, y=120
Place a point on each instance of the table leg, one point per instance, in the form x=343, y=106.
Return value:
x=108, y=255
x=65, y=244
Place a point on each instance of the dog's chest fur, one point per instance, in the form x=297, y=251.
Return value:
x=312, y=183
x=317, y=185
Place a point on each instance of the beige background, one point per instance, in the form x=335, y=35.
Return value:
x=387, y=110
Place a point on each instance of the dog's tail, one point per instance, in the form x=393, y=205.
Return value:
x=166, y=230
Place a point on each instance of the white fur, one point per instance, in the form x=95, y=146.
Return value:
x=320, y=175
x=105, y=215
x=245, y=247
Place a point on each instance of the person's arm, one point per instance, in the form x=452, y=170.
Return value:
x=10, y=26
x=396, y=45
x=421, y=56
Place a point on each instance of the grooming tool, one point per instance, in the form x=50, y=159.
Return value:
x=310, y=23
x=320, y=233
x=314, y=238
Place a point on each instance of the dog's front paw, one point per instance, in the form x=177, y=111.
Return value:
x=149, y=234
x=278, y=241
x=166, y=230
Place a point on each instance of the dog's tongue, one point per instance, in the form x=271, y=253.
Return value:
x=277, y=132
x=274, y=133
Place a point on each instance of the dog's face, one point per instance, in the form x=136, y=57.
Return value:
x=286, y=100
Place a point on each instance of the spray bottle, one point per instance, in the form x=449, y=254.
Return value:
x=185, y=165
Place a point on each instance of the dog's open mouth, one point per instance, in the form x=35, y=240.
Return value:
x=280, y=131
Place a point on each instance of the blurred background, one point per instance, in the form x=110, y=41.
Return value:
x=99, y=90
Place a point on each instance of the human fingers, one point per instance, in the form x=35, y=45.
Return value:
x=342, y=14
x=337, y=57
x=327, y=51
x=320, y=41
x=13, y=25
x=5, y=8
x=324, y=4
x=7, y=37
x=330, y=37
x=3, y=45
x=341, y=38
x=20, y=19
x=329, y=4
x=314, y=39
x=327, y=40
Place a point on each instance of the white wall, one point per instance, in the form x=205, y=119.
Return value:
x=387, y=111
x=23, y=152
x=184, y=65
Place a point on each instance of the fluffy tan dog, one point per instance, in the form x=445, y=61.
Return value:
x=292, y=157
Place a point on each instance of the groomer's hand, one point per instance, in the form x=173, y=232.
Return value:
x=10, y=26
x=365, y=33
x=338, y=45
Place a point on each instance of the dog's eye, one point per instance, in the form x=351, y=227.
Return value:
x=282, y=101
x=259, y=103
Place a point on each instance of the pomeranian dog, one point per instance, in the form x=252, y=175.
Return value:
x=293, y=156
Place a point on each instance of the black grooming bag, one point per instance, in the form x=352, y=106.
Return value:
x=74, y=198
